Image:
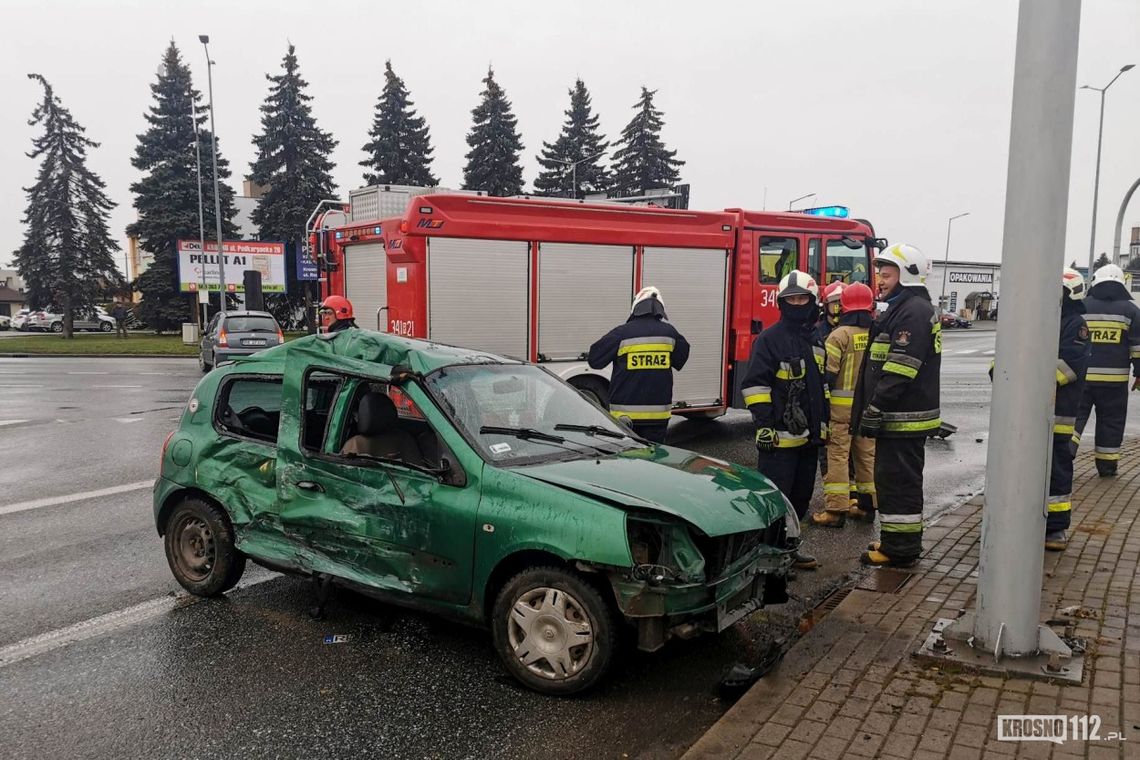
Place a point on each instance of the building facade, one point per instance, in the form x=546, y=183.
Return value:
x=967, y=288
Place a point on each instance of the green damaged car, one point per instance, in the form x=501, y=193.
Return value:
x=470, y=485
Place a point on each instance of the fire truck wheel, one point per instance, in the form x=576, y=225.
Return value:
x=594, y=389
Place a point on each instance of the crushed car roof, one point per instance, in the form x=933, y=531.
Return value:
x=377, y=348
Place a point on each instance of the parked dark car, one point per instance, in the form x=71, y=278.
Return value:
x=950, y=319
x=237, y=333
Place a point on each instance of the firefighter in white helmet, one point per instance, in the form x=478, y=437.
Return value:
x=1114, y=330
x=785, y=390
x=645, y=351
x=896, y=400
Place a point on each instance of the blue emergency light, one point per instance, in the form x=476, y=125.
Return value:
x=837, y=212
x=375, y=230
x=339, y=235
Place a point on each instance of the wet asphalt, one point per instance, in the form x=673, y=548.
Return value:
x=101, y=657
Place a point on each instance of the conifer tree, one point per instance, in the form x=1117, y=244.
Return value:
x=580, y=141
x=493, y=161
x=293, y=162
x=1101, y=261
x=642, y=161
x=399, y=151
x=67, y=258
x=166, y=197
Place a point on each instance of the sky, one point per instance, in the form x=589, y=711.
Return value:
x=898, y=109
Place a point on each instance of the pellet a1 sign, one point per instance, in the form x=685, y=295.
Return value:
x=198, y=268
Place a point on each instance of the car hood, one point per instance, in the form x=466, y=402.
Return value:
x=717, y=497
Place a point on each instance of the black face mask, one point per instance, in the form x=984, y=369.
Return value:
x=808, y=312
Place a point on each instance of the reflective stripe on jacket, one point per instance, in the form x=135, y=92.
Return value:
x=787, y=356
x=644, y=351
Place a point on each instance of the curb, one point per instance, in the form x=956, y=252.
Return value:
x=736, y=728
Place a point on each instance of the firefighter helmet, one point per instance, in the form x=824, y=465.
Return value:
x=912, y=263
x=832, y=291
x=340, y=307
x=1107, y=273
x=797, y=283
x=648, y=301
x=857, y=297
x=1073, y=283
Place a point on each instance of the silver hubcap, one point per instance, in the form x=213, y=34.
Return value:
x=550, y=633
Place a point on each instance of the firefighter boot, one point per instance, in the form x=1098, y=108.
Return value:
x=801, y=561
x=876, y=558
x=829, y=518
x=1056, y=541
x=864, y=508
x=1106, y=468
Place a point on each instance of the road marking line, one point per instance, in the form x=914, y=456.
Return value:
x=127, y=420
x=105, y=624
x=10, y=422
x=88, y=373
x=24, y=506
x=116, y=386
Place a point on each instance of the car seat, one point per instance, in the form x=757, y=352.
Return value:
x=378, y=434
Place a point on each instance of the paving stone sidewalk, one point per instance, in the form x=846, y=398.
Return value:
x=851, y=688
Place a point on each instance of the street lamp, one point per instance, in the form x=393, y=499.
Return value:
x=201, y=216
x=946, y=260
x=794, y=201
x=1096, y=181
x=574, y=170
x=205, y=40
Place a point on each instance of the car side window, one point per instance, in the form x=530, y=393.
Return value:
x=321, y=389
x=376, y=421
x=250, y=407
x=778, y=257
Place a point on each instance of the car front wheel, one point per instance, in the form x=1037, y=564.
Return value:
x=57, y=327
x=200, y=548
x=105, y=327
x=553, y=631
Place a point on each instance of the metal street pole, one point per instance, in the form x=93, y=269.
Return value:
x=574, y=171
x=1096, y=180
x=1120, y=224
x=1021, y=412
x=205, y=40
x=946, y=260
x=201, y=215
x=794, y=201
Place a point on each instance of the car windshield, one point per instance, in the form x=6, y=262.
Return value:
x=536, y=416
x=251, y=324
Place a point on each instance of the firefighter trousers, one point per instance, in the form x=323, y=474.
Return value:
x=793, y=472
x=898, y=482
x=651, y=430
x=844, y=449
x=1111, y=403
x=1060, y=485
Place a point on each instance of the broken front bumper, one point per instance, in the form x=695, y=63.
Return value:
x=664, y=609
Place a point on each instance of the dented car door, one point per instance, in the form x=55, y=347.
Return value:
x=399, y=527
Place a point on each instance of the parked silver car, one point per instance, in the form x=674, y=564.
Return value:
x=96, y=320
x=237, y=333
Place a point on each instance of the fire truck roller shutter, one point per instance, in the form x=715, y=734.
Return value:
x=478, y=294
x=693, y=283
x=584, y=290
x=366, y=283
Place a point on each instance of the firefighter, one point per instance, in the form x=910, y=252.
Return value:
x=1072, y=359
x=845, y=348
x=785, y=390
x=339, y=310
x=896, y=400
x=645, y=351
x=1113, y=320
x=829, y=299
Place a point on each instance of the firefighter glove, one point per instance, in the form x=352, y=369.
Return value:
x=871, y=422
x=767, y=439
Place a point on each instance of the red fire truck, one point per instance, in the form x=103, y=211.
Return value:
x=542, y=279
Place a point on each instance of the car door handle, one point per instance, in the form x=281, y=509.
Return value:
x=309, y=485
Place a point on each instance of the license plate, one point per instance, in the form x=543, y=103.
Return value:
x=254, y=342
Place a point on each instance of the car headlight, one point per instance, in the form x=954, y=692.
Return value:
x=663, y=550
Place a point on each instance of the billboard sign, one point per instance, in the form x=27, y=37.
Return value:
x=306, y=268
x=198, y=269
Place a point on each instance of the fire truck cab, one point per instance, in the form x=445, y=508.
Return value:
x=542, y=279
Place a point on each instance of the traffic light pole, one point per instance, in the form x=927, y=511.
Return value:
x=1004, y=628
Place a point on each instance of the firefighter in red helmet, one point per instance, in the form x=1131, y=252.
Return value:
x=336, y=312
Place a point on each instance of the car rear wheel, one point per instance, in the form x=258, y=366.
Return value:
x=203, y=365
x=200, y=548
x=105, y=327
x=553, y=631
x=57, y=327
